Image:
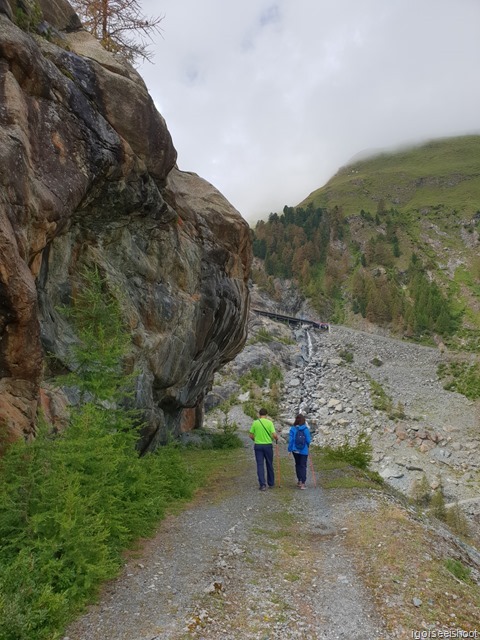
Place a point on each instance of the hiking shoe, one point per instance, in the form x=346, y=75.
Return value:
x=299, y=484
x=302, y=486
x=263, y=488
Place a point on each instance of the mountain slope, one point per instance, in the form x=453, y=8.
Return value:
x=393, y=240
x=439, y=175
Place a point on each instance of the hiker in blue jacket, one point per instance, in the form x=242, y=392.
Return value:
x=298, y=442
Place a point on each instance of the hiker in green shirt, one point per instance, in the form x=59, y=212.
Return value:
x=262, y=432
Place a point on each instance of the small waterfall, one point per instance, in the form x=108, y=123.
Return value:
x=310, y=345
x=301, y=408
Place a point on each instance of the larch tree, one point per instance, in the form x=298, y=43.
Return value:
x=119, y=25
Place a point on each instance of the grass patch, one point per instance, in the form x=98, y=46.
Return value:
x=458, y=569
x=292, y=577
x=391, y=552
x=462, y=377
x=349, y=482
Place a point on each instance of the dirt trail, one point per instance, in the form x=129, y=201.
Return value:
x=240, y=564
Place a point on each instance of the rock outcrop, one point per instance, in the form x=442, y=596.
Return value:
x=88, y=177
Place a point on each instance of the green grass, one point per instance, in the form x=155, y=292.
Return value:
x=462, y=377
x=458, y=569
x=441, y=175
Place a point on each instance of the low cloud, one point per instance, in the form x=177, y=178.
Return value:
x=266, y=100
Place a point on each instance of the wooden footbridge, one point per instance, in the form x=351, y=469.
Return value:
x=324, y=326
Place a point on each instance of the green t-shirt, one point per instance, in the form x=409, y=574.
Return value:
x=262, y=433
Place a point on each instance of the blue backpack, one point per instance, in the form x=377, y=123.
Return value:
x=300, y=439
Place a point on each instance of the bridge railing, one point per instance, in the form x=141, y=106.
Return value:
x=324, y=326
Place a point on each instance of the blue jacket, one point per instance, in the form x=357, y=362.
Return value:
x=291, y=439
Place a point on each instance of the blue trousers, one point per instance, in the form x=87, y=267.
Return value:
x=264, y=457
x=301, y=466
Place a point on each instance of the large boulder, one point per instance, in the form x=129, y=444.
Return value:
x=88, y=177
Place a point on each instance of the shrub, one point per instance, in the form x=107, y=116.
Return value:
x=259, y=376
x=458, y=569
x=229, y=439
x=457, y=521
x=71, y=503
x=421, y=492
x=462, y=377
x=346, y=355
x=381, y=401
x=357, y=455
x=437, y=504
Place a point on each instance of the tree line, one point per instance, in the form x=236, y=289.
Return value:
x=315, y=247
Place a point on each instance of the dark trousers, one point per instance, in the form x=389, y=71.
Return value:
x=264, y=456
x=301, y=466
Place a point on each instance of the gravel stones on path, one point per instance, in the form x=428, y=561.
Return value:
x=240, y=564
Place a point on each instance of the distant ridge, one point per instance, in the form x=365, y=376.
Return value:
x=414, y=178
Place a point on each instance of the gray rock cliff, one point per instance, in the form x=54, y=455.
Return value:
x=88, y=177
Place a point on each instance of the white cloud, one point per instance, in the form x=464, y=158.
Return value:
x=267, y=99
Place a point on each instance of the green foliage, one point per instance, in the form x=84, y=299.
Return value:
x=260, y=376
x=358, y=454
x=437, y=504
x=457, y=521
x=458, y=569
x=229, y=439
x=381, y=400
x=265, y=336
x=262, y=336
x=346, y=355
x=346, y=259
x=103, y=340
x=71, y=503
x=431, y=310
x=209, y=440
x=251, y=408
x=29, y=15
x=462, y=377
x=420, y=492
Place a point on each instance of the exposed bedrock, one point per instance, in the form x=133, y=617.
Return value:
x=88, y=177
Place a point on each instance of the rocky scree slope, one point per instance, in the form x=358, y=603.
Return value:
x=89, y=178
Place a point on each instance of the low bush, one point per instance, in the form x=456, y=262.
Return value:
x=458, y=569
x=358, y=454
x=69, y=506
x=462, y=377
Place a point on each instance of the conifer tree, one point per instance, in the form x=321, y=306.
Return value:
x=119, y=25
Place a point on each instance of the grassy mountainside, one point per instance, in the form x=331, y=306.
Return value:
x=440, y=176
x=392, y=239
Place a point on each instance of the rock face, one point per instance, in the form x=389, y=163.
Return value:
x=88, y=177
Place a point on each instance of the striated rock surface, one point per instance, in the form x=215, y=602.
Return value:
x=88, y=177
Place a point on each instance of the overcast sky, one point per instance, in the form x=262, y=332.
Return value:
x=266, y=99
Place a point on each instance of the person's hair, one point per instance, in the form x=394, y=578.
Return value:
x=263, y=412
x=300, y=419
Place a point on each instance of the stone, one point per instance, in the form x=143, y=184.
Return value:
x=391, y=472
x=332, y=403
x=335, y=361
x=89, y=177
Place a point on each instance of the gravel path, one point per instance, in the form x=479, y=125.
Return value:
x=240, y=563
